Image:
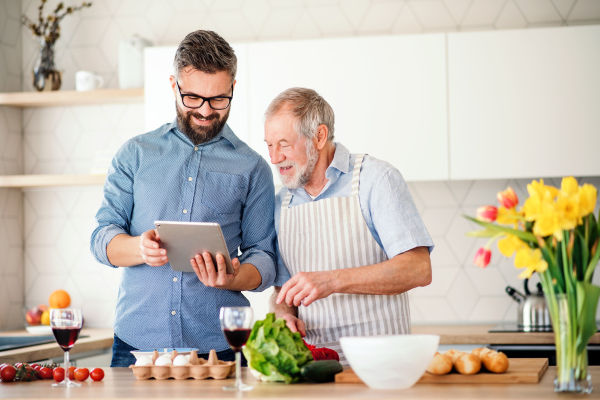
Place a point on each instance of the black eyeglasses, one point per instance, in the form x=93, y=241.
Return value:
x=195, y=101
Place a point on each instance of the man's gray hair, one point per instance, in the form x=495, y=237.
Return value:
x=308, y=106
x=207, y=52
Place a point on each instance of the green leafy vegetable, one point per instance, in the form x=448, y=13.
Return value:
x=274, y=352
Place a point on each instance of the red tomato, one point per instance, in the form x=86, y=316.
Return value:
x=97, y=374
x=8, y=373
x=81, y=374
x=34, y=366
x=59, y=374
x=17, y=365
x=45, y=373
x=72, y=373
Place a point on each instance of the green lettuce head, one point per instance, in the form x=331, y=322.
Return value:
x=274, y=352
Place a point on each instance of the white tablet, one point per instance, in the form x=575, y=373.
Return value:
x=183, y=240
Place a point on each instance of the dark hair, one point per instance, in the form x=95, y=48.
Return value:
x=205, y=51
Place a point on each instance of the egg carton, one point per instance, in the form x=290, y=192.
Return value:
x=198, y=368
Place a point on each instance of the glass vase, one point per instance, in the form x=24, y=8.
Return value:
x=45, y=75
x=571, y=368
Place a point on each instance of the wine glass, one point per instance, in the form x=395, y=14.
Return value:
x=236, y=323
x=66, y=324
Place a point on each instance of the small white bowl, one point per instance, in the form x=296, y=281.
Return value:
x=148, y=353
x=391, y=361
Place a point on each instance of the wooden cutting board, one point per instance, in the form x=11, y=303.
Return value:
x=520, y=370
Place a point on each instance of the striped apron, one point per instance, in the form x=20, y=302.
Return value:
x=332, y=234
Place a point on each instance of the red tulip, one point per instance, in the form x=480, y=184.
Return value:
x=483, y=257
x=487, y=213
x=508, y=198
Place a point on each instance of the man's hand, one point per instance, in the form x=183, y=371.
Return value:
x=306, y=287
x=295, y=324
x=205, y=270
x=151, y=252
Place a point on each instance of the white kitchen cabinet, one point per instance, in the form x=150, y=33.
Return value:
x=524, y=103
x=388, y=94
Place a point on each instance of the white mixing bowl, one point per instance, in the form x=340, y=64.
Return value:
x=392, y=361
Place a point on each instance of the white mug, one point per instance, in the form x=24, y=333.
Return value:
x=85, y=80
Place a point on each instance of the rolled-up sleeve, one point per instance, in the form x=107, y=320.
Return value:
x=114, y=216
x=258, y=229
x=397, y=222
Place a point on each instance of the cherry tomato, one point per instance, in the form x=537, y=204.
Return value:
x=34, y=366
x=81, y=374
x=8, y=373
x=18, y=365
x=46, y=373
x=59, y=374
x=3, y=365
x=72, y=373
x=97, y=374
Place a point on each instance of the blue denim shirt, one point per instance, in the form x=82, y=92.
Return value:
x=385, y=202
x=161, y=175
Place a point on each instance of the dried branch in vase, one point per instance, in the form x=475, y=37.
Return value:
x=48, y=27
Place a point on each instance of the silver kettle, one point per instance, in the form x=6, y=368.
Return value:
x=533, y=311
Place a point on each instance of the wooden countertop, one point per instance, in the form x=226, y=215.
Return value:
x=120, y=383
x=479, y=334
x=98, y=339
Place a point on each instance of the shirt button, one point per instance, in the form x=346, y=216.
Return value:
x=173, y=312
x=196, y=148
x=190, y=179
x=174, y=279
x=185, y=211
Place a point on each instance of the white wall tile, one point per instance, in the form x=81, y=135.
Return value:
x=306, y=27
x=585, y=10
x=482, y=13
x=564, y=7
x=435, y=194
x=354, y=10
x=490, y=309
x=331, y=20
x=437, y=220
x=407, y=22
x=457, y=8
x=488, y=281
x=435, y=310
x=433, y=15
x=511, y=17
x=380, y=18
x=462, y=296
x=536, y=11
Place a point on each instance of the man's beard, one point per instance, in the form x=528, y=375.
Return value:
x=196, y=133
x=303, y=173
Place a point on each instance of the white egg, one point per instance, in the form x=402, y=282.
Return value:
x=142, y=361
x=163, y=360
x=180, y=360
x=187, y=356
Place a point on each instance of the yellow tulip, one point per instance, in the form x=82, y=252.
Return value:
x=510, y=244
x=531, y=260
x=547, y=222
x=587, y=199
x=508, y=216
x=539, y=189
x=569, y=186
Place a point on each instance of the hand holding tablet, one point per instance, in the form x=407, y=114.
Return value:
x=184, y=240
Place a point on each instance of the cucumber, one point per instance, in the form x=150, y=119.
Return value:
x=321, y=371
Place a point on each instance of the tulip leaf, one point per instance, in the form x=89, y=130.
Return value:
x=482, y=234
x=587, y=295
x=526, y=236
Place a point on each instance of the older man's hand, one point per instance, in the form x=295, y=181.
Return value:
x=306, y=287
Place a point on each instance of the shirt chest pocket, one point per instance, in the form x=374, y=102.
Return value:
x=223, y=193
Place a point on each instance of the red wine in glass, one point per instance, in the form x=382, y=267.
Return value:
x=66, y=336
x=237, y=337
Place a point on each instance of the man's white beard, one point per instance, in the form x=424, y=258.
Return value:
x=303, y=172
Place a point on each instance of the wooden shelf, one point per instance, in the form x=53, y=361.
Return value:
x=27, y=181
x=71, y=97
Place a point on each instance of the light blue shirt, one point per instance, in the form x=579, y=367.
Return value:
x=385, y=202
x=161, y=175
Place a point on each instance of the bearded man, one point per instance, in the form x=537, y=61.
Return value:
x=351, y=242
x=192, y=170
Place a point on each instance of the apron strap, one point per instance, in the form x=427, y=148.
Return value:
x=286, y=200
x=356, y=173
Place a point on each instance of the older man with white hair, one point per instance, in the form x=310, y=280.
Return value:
x=351, y=242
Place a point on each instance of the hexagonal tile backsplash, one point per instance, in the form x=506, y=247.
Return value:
x=64, y=140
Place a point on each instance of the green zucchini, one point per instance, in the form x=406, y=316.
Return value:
x=321, y=371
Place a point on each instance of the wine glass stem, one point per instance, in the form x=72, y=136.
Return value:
x=67, y=366
x=238, y=368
